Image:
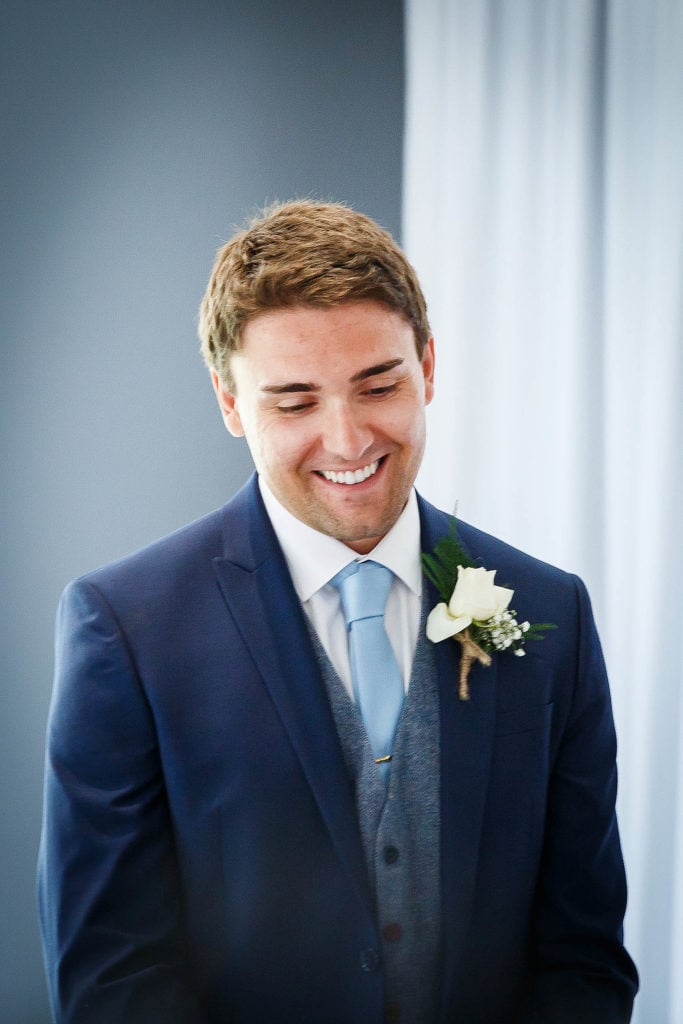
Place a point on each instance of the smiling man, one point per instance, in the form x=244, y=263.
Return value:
x=332, y=404
x=265, y=798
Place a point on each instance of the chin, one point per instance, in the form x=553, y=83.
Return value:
x=368, y=534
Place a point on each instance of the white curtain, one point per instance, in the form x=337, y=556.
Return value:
x=543, y=210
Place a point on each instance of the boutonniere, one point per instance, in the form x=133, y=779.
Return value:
x=474, y=611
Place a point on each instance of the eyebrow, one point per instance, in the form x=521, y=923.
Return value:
x=375, y=371
x=282, y=389
x=304, y=386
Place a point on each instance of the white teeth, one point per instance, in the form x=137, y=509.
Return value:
x=350, y=477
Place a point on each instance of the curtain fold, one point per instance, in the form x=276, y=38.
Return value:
x=543, y=210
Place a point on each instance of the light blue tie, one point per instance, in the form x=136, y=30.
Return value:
x=377, y=681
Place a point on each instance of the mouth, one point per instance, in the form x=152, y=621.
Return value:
x=351, y=477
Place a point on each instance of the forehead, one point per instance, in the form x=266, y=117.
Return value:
x=337, y=337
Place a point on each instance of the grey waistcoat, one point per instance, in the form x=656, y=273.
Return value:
x=399, y=826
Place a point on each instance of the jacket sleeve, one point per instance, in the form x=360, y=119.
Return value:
x=108, y=886
x=580, y=970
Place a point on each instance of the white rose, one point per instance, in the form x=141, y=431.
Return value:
x=476, y=599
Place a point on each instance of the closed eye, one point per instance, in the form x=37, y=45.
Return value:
x=293, y=409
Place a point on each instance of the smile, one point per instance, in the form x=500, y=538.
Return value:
x=351, y=477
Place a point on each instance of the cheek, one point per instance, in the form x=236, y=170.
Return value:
x=282, y=445
x=406, y=425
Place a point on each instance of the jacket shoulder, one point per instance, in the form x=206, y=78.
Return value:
x=172, y=571
x=196, y=541
x=485, y=549
x=543, y=592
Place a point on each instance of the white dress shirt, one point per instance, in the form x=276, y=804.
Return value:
x=313, y=559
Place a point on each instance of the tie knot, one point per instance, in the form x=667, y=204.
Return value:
x=363, y=588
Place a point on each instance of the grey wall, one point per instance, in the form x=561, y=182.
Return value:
x=135, y=137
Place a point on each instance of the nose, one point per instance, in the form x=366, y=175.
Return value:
x=346, y=433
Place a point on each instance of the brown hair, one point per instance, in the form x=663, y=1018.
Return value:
x=304, y=253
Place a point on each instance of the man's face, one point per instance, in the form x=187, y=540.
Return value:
x=331, y=402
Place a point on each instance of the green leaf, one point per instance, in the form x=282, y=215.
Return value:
x=537, y=629
x=441, y=567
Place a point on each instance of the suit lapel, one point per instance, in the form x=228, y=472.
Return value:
x=258, y=591
x=466, y=746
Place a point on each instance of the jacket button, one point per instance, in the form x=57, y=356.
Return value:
x=390, y=854
x=369, y=960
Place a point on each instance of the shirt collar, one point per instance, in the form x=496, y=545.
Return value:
x=313, y=558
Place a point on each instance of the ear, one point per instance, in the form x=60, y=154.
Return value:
x=428, y=370
x=227, y=402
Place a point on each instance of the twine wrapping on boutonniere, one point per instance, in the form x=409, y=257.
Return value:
x=474, y=611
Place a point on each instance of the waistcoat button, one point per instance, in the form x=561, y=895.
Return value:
x=392, y=932
x=390, y=854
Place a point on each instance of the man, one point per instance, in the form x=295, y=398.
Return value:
x=226, y=839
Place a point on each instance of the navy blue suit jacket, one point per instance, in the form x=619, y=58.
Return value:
x=201, y=860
